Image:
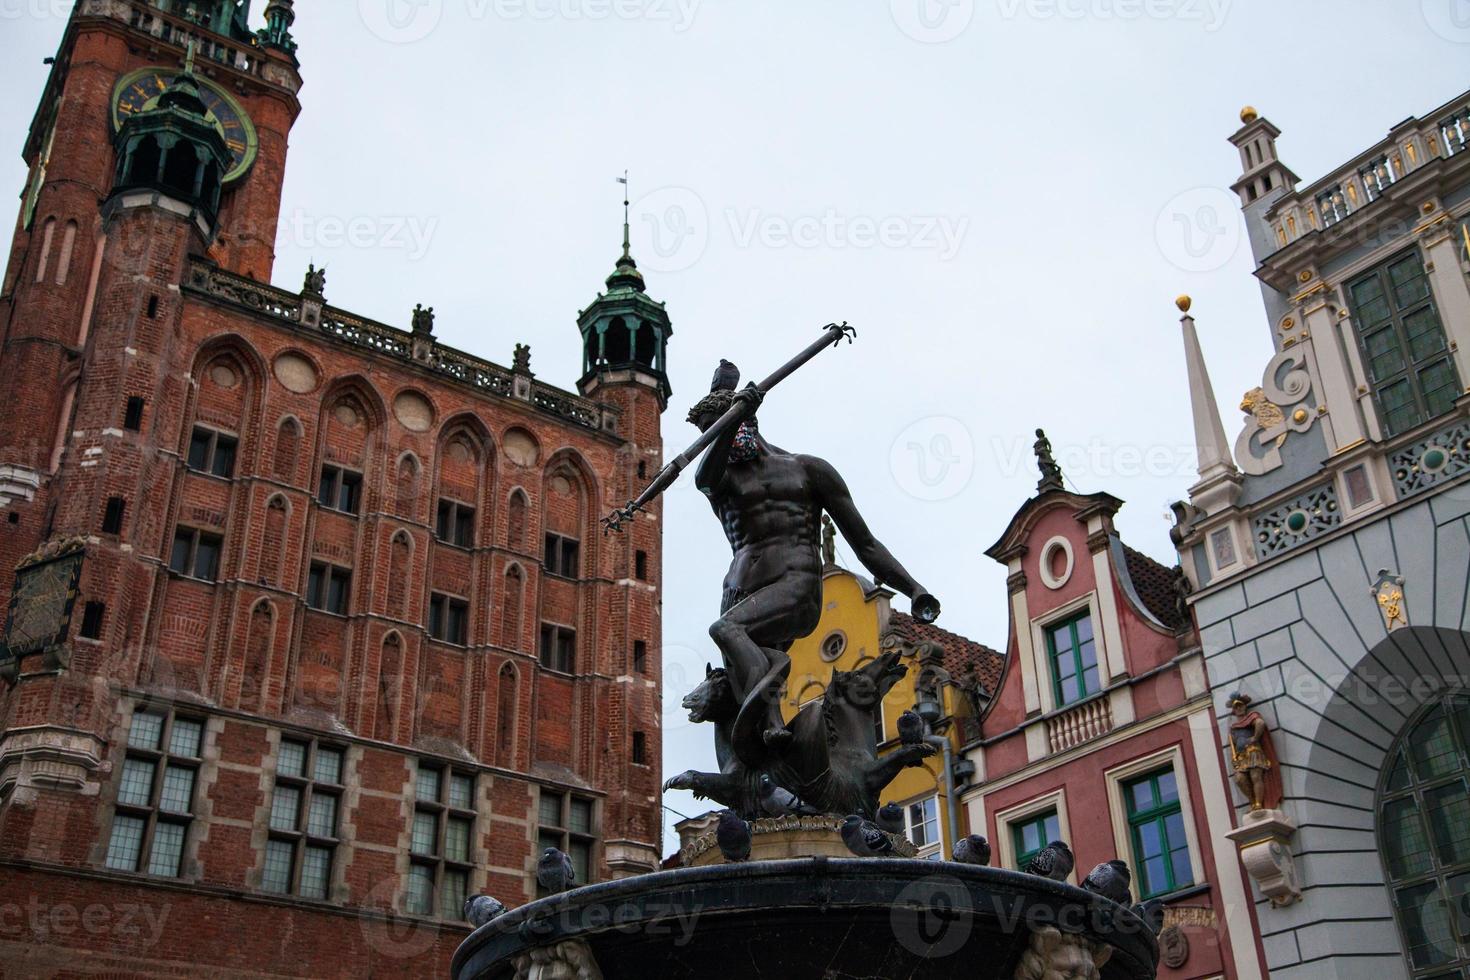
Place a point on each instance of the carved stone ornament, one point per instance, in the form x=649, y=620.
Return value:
x=570, y=959
x=1055, y=955
x=1173, y=947
x=1274, y=410
x=1264, y=842
x=1389, y=593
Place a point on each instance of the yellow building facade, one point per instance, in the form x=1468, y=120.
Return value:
x=949, y=680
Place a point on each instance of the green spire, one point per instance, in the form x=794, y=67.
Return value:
x=625, y=274
x=279, y=16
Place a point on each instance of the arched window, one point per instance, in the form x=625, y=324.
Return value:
x=517, y=520
x=288, y=447
x=257, y=656
x=617, y=342
x=505, y=722
x=646, y=345
x=143, y=169
x=180, y=168
x=1424, y=837
x=510, y=608
x=390, y=680
x=273, y=541
x=399, y=570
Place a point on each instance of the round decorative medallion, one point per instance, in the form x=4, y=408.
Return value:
x=1173, y=947
x=561, y=485
x=833, y=645
x=1056, y=562
x=1299, y=416
x=459, y=452
x=1435, y=458
x=346, y=414
x=521, y=448
x=295, y=373
x=223, y=375
x=1296, y=521
x=413, y=411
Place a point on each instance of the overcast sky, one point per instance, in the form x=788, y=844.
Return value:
x=1004, y=197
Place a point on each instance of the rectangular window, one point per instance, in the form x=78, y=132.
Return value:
x=640, y=566
x=562, y=556
x=195, y=554
x=456, y=524
x=212, y=452
x=568, y=823
x=640, y=657
x=305, y=804
x=92, y=620
x=133, y=414
x=449, y=619
x=921, y=822
x=1073, y=653
x=640, y=749
x=339, y=489
x=155, y=793
x=1030, y=835
x=1409, y=365
x=558, y=648
x=1156, y=829
x=441, y=842
x=328, y=588
x=112, y=515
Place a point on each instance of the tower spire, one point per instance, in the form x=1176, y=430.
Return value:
x=627, y=253
x=625, y=275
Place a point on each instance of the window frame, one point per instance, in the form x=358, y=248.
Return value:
x=339, y=478
x=196, y=535
x=638, y=660
x=440, y=864
x=1411, y=368
x=321, y=577
x=549, y=655
x=932, y=850
x=458, y=519
x=1120, y=777
x=440, y=604
x=1017, y=829
x=566, y=551
x=1024, y=812
x=1069, y=623
x=301, y=838
x=213, y=439
x=563, y=831
x=161, y=758
x=1157, y=816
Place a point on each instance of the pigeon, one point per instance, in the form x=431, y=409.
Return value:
x=1053, y=861
x=555, y=872
x=727, y=376
x=1111, y=880
x=890, y=818
x=733, y=836
x=1152, y=914
x=910, y=728
x=864, y=839
x=777, y=801
x=480, y=909
x=973, y=849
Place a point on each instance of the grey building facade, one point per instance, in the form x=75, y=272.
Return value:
x=1328, y=547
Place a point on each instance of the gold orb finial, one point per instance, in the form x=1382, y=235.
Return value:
x=1249, y=114
x=1183, y=302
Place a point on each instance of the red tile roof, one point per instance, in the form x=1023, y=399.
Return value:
x=1154, y=583
x=969, y=663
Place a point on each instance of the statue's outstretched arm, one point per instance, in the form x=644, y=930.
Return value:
x=711, y=471
x=836, y=499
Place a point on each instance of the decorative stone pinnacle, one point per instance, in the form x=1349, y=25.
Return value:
x=1051, y=473
x=521, y=362
x=423, y=320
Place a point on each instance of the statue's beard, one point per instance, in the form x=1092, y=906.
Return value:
x=747, y=444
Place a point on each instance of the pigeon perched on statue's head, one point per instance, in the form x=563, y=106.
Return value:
x=1053, y=861
x=910, y=728
x=864, y=839
x=1111, y=880
x=555, y=871
x=727, y=376
x=480, y=909
x=733, y=836
x=973, y=849
x=890, y=818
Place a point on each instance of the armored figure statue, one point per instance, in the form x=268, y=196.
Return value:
x=1252, y=756
x=771, y=504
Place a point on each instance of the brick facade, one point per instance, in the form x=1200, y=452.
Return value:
x=313, y=626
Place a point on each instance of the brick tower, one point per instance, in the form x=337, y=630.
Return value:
x=311, y=629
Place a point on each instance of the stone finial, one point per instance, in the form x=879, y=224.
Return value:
x=423, y=320
x=315, y=283
x=1051, y=473
x=521, y=360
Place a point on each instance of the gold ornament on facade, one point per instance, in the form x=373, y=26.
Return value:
x=1249, y=115
x=1389, y=593
x=1267, y=414
x=1184, y=303
x=1299, y=416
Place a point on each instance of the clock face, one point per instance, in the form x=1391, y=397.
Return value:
x=139, y=91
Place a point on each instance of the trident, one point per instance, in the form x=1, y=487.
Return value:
x=832, y=336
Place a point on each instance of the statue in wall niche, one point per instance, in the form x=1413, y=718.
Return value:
x=1252, y=756
x=771, y=504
